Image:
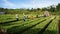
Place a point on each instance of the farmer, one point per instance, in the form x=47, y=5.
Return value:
x=31, y=17
x=46, y=13
x=59, y=25
x=2, y=32
x=24, y=17
x=17, y=17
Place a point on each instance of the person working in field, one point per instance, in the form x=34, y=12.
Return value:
x=17, y=17
x=46, y=13
x=31, y=17
x=24, y=17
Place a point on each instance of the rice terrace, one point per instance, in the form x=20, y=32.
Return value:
x=29, y=19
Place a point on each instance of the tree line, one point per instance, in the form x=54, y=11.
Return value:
x=23, y=10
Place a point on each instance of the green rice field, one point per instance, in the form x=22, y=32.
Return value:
x=41, y=25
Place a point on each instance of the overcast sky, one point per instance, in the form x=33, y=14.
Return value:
x=27, y=3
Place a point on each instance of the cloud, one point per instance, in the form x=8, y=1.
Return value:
x=34, y=4
x=30, y=4
x=43, y=3
x=7, y=3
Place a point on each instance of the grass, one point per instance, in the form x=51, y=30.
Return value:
x=29, y=26
x=37, y=28
x=53, y=27
x=20, y=28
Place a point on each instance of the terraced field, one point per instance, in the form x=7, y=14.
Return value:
x=42, y=25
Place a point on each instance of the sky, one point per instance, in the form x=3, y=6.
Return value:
x=27, y=3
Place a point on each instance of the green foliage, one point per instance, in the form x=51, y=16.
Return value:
x=53, y=9
x=53, y=27
x=58, y=7
x=15, y=27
